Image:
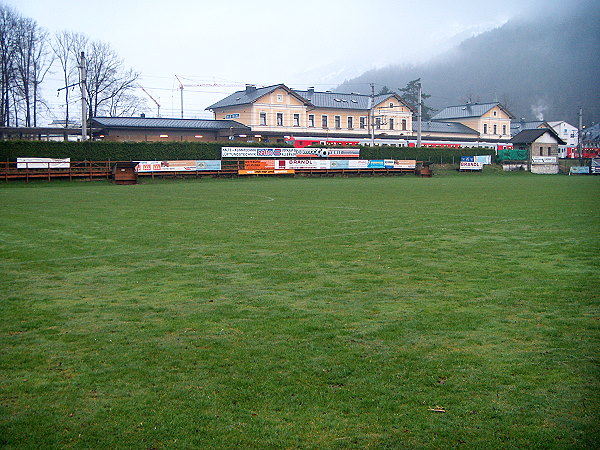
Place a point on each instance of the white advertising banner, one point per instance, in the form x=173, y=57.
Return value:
x=165, y=166
x=303, y=164
x=43, y=163
x=544, y=160
x=470, y=165
x=248, y=152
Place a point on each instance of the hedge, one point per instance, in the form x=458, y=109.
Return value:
x=158, y=151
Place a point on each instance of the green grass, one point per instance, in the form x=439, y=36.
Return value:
x=313, y=313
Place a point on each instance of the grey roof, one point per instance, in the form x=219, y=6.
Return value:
x=340, y=100
x=530, y=136
x=143, y=122
x=465, y=111
x=517, y=127
x=317, y=99
x=444, y=127
x=246, y=96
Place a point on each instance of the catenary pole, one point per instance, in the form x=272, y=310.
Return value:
x=82, y=85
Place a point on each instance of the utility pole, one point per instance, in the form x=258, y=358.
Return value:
x=84, y=109
x=419, y=130
x=181, y=92
x=579, y=132
x=372, y=114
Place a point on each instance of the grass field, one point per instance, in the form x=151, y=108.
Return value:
x=313, y=313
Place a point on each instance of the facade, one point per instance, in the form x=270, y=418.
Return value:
x=277, y=111
x=566, y=131
x=541, y=145
x=142, y=129
x=491, y=120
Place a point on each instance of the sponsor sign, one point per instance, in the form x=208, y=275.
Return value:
x=544, y=160
x=579, y=170
x=266, y=172
x=209, y=164
x=259, y=164
x=484, y=159
x=403, y=163
x=303, y=164
x=470, y=165
x=247, y=152
x=596, y=165
x=166, y=166
x=43, y=163
x=349, y=164
x=376, y=164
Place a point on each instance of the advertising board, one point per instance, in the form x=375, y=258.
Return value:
x=470, y=165
x=349, y=163
x=208, y=164
x=259, y=164
x=43, y=163
x=166, y=166
x=544, y=160
x=247, y=152
x=303, y=164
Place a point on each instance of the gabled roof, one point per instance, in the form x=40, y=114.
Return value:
x=310, y=97
x=340, y=100
x=517, y=127
x=530, y=136
x=468, y=110
x=250, y=95
x=444, y=127
x=143, y=122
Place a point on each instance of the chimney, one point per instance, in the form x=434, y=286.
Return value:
x=311, y=90
x=250, y=88
x=143, y=116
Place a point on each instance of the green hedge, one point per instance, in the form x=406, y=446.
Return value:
x=119, y=151
x=434, y=155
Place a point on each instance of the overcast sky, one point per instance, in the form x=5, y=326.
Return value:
x=300, y=43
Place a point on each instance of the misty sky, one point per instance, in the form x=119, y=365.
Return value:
x=300, y=43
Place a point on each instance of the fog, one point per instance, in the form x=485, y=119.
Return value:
x=541, y=65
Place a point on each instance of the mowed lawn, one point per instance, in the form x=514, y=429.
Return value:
x=396, y=312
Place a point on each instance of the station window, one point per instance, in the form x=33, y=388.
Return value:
x=350, y=123
x=279, y=119
x=296, y=120
x=324, y=122
x=338, y=122
x=263, y=118
x=391, y=124
x=311, y=120
x=403, y=124
x=363, y=122
x=485, y=128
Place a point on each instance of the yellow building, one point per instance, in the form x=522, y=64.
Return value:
x=277, y=111
x=490, y=120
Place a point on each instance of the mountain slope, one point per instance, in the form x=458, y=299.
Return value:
x=548, y=65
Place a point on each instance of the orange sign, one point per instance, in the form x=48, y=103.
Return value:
x=259, y=164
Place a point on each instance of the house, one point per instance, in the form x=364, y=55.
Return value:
x=491, y=120
x=274, y=112
x=541, y=145
x=142, y=129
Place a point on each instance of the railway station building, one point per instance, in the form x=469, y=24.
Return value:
x=277, y=111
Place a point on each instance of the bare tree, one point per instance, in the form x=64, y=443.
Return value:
x=33, y=61
x=63, y=50
x=8, y=31
x=110, y=85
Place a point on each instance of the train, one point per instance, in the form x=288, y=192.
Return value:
x=564, y=151
x=301, y=142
